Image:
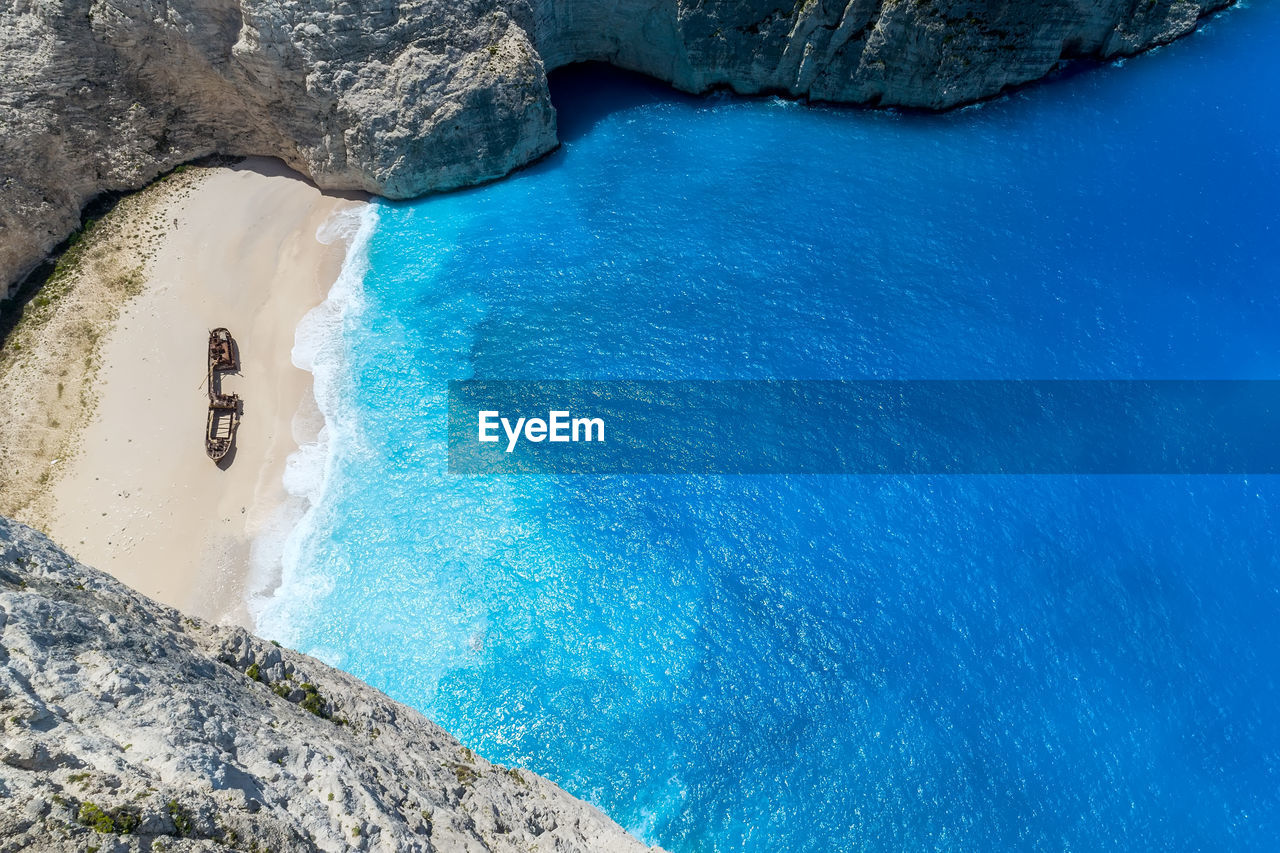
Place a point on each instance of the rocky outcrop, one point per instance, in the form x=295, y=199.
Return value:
x=126, y=726
x=914, y=53
x=402, y=99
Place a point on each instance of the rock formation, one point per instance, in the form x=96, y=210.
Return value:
x=402, y=99
x=126, y=726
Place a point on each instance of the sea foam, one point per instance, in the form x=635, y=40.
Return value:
x=280, y=584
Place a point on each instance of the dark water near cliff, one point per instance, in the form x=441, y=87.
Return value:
x=810, y=663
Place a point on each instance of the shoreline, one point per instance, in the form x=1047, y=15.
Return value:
x=139, y=498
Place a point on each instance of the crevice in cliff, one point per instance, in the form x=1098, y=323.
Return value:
x=584, y=93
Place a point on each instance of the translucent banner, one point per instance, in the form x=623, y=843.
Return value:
x=864, y=427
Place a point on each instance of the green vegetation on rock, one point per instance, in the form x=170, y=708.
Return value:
x=122, y=820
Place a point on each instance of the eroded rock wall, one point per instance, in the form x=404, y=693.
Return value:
x=124, y=723
x=406, y=98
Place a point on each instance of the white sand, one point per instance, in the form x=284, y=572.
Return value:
x=141, y=500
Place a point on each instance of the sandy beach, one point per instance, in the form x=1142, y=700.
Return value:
x=139, y=498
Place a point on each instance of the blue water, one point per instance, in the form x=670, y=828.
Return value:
x=831, y=663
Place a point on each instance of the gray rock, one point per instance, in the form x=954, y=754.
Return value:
x=124, y=723
x=402, y=99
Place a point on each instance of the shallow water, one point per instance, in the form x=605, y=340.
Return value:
x=828, y=663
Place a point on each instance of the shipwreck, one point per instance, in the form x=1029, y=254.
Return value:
x=224, y=409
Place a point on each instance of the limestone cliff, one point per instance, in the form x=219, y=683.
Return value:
x=403, y=98
x=126, y=726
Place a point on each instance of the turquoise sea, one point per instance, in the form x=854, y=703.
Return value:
x=790, y=663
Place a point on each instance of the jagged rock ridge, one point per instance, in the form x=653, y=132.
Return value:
x=402, y=99
x=127, y=726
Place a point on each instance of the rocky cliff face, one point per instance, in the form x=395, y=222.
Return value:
x=404, y=98
x=126, y=726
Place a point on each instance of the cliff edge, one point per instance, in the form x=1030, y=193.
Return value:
x=402, y=99
x=127, y=726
